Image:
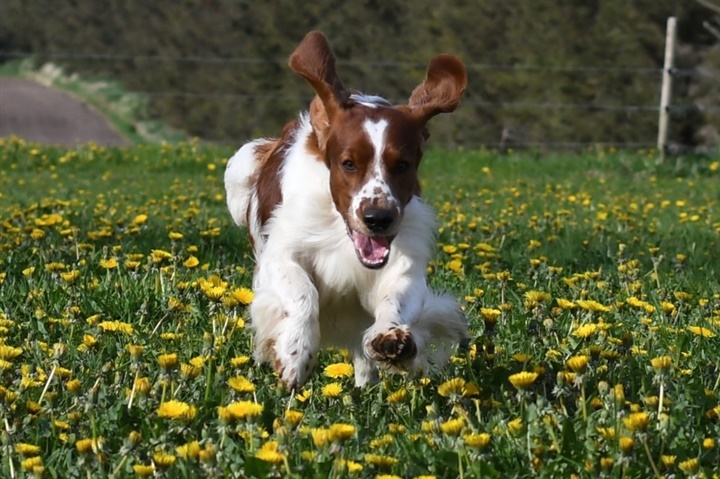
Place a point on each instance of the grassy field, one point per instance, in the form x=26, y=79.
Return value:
x=590, y=281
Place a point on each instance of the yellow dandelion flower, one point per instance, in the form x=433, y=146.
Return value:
x=522, y=358
x=351, y=466
x=667, y=307
x=239, y=361
x=243, y=295
x=452, y=387
x=340, y=432
x=244, y=409
x=397, y=396
x=578, y=363
x=135, y=350
x=175, y=236
x=523, y=380
x=163, y=460
x=74, y=386
x=303, y=395
x=90, y=444
x=108, y=263
x=70, y=276
x=176, y=410
x=241, y=384
x=142, y=385
x=477, y=441
x=682, y=296
x=586, y=330
x=139, y=220
x=490, y=315
x=593, y=306
x=293, y=417
x=453, y=427
x=189, y=450
x=8, y=353
x=319, y=436
x=470, y=390
x=637, y=421
x=380, y=460
x=27, y=449
x=626, y=444
x=189, y=371
x=332, y=390
x=118, y=326
x=31, y=464
x=159, y=255
x=700, y=331
x=565, y=304
x=708, y=443
x=339, y=370
x=668, y=460
x=536, y=296
x=607, y=433
x=191, y=262
x=661, y=363
x=515, y=426
x=269, y=453
x=689, y=466
x=143, y=470
x=381, y=441
x=168, y=361
x=198, y=361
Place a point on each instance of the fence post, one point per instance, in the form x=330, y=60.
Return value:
x=666, y=91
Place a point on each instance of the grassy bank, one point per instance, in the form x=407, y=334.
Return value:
x=590, y=282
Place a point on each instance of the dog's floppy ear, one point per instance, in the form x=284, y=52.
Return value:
x=314, y=60
x=444, y=84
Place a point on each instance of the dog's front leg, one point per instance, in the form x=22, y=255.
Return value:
x=389, y=340
x=284, y=316
x=414, y=328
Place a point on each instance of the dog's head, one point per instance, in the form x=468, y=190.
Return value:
x=372, y=148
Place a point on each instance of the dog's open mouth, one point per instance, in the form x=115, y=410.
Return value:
x=372, y=251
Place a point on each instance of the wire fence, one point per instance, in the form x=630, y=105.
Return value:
x=710, y=110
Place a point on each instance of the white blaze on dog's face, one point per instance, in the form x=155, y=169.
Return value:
x=373, y=154
x=373, y=149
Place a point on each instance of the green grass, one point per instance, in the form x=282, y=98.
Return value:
x=602, y=257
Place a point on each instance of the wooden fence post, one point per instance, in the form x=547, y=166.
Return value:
x=666, y=91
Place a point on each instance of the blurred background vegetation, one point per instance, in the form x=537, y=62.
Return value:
x=541, y=71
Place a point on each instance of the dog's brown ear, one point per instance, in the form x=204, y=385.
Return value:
x=444, y=84
x=314, y=60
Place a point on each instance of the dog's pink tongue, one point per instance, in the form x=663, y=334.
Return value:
x=371, y=248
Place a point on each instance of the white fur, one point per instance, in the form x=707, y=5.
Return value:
x=310, y=288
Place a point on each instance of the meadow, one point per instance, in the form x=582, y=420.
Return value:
x=590, y=281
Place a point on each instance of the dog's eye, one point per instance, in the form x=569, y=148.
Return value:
x=402, y=167
x=349, y=166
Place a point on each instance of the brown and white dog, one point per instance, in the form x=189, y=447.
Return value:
x=341, y=236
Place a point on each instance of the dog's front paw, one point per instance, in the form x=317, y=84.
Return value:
x=394, y=347
x=294, y=368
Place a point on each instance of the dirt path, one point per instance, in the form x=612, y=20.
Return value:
x=46, y=115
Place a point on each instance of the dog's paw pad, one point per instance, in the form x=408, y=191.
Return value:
x=394, y=346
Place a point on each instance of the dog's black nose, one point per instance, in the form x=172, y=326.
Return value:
x=378, y=220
